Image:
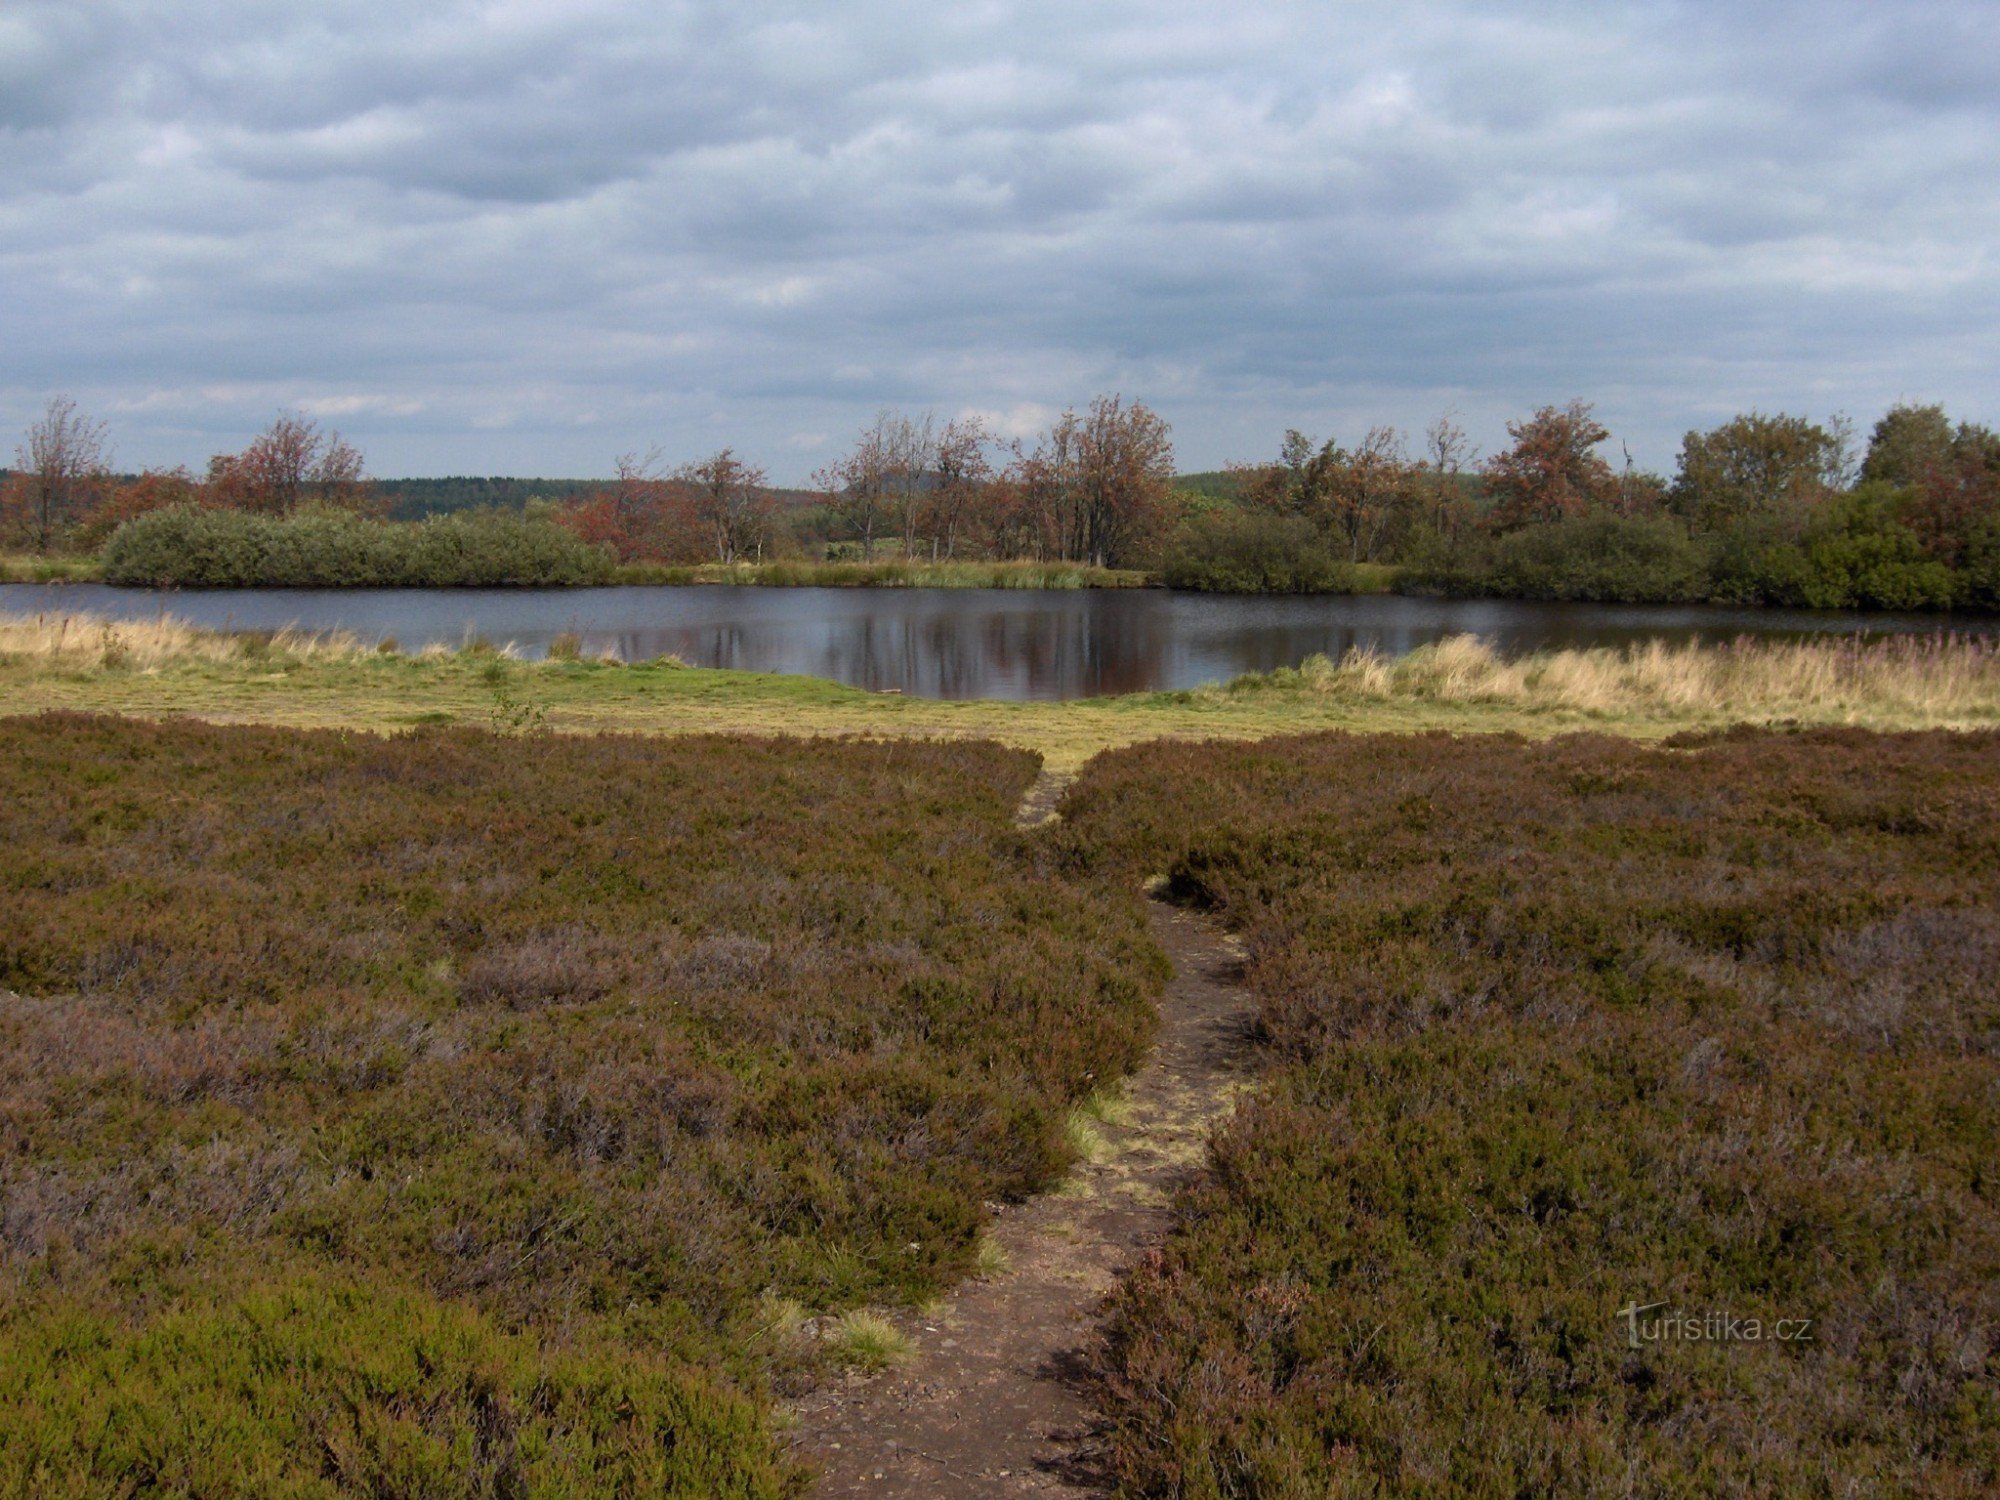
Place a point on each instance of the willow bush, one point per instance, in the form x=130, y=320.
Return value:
x=191, y=547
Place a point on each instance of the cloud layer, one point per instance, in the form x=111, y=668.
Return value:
x=524, y=237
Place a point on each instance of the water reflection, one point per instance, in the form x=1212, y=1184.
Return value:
x=958, y=643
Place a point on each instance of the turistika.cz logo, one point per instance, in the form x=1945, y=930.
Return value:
x=1677, y=1327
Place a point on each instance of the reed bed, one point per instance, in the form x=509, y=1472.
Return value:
x=893, y=573
x=30, y=567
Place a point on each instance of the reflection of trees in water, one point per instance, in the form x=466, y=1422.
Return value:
x=1082, y=651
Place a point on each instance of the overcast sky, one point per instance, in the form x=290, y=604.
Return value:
x=525, y=237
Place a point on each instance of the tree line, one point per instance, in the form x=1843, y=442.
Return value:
x=1763, y=508
x=1768, y=508
x=1097, y=488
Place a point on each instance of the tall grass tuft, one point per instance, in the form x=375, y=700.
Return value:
x=82, y=642
x=1934, y=677
x=866, y=1340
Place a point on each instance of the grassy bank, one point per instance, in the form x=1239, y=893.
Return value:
x=450, y=1114
x=1565, y=1029
x=888, y=575
x=29, y=567
x=160, y=668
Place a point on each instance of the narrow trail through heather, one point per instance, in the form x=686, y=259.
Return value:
x=990, y=1402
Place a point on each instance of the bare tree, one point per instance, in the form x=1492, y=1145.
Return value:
x=636, y=493
x=913, y=458
x=286, y=465
x=961, y=474
x=1370, y=490
x=870, y=485
x=729, y=498
x=1447, y=452
x=67, y=464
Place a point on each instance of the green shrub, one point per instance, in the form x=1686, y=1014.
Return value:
x=1252, y=552
x=1854, y=555
x=1982, y=566
x=188, y=547
x=1607, y=558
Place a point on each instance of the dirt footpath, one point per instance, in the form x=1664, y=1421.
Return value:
x=989, y=1404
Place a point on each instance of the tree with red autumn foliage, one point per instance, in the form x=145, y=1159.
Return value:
x=289, y=464
x=1552, y=472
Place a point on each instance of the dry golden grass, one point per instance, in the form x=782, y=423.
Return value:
x=76, y=641
x=1928, y=676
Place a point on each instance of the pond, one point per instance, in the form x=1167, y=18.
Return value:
x=962, y=643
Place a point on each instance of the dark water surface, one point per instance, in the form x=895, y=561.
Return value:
x=961, y=643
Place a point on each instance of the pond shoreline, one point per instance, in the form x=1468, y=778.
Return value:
x=962, y=643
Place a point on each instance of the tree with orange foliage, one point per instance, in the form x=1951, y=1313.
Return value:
x=1363, y=496
x=1103, y=481
x=642, y=516
x=1551, y=473
x=155, y=489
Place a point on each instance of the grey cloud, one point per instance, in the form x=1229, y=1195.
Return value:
x=546, y=234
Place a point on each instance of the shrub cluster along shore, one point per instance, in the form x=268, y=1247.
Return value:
x=190, y=547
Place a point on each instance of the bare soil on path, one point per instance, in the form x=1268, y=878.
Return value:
x=991, y=1402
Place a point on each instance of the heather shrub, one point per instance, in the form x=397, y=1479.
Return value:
x=319, y=1387
x=1565, y=1029
x=586, y=1049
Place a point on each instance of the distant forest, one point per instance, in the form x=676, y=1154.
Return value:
x=415, y=499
